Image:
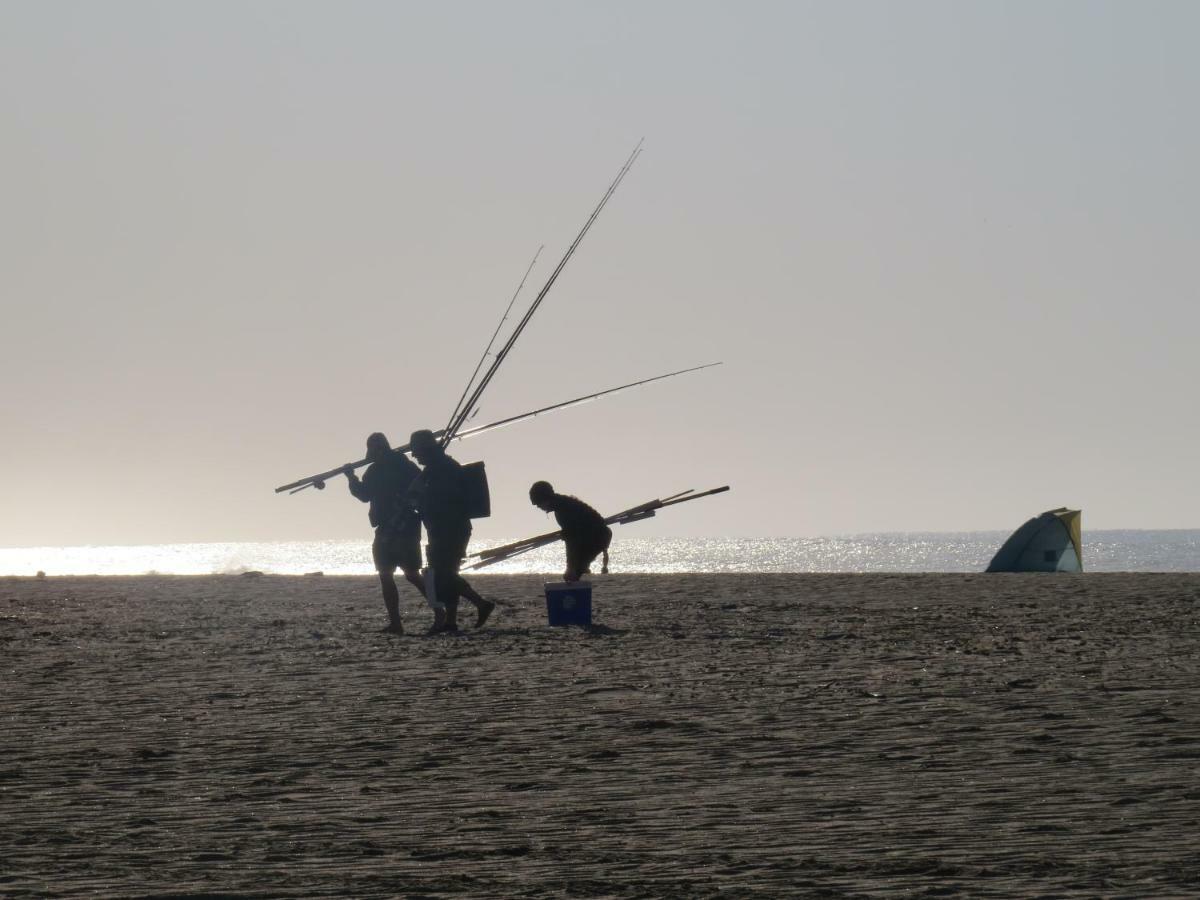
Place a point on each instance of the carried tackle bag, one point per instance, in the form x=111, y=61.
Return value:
x=477, y=498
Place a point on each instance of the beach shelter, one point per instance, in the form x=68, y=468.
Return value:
x=1050, y=542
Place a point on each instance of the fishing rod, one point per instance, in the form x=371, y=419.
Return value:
x=504, y=318
x=318, y=481
x=464, y=411
x=625, y=517
x=470, y=432
x=644, y=510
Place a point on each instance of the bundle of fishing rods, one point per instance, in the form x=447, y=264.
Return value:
x=468, y=402
x=465, y=409
x=494, y=555
x=318, y=481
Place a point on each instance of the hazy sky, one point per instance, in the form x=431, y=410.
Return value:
x=947, y=252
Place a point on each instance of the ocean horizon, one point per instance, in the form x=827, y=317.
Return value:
x=1123, y=550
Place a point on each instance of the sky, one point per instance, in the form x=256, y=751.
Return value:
x=946, y=252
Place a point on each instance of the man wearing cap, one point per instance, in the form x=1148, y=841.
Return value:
x=583, y=529
x=440, y=500
x=397, y=542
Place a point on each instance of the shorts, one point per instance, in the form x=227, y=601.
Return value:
x=581, y=555
x=397, y=550
x=446, y=552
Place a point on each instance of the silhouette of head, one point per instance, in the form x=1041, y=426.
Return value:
x=377, y=447
x=541, y=495
x=424, y=446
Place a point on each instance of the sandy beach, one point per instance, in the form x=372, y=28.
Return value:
x=802, y=735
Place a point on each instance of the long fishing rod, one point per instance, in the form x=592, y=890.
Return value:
x=470, y=432
x=504, y=318
x=633, y=514
x=318, y=481
x=643, y=510
x=467, y=409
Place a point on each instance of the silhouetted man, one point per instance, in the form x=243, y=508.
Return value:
x=397, y=544
x=442, y=503
x=583, y=529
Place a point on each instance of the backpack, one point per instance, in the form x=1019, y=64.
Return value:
x=476, y=497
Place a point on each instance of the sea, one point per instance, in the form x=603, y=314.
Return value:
x=1103, y=551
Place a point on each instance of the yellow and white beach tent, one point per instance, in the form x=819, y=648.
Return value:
x=1051, y=542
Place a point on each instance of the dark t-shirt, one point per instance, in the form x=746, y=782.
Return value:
x=579, y=522
x=441, y=500
x=384, y=485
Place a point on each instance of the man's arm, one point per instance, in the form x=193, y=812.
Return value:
x=357, y=488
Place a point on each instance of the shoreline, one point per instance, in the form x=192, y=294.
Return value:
x=529, y=585
x=949, y=552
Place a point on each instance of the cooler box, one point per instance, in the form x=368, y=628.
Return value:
x=569, y=602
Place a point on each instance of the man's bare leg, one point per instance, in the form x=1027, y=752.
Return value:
x=465, y=590
x=447, y=588
x=450, y=622
x=391, y=601
x=414, y=578
x=483, y=606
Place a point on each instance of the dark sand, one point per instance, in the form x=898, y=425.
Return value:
x=823, y=735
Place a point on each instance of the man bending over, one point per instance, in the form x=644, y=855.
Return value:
x=583, y=529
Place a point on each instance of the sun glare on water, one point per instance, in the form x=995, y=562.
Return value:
x=1104, y=551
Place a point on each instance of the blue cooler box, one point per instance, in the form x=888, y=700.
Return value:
x=569, y=602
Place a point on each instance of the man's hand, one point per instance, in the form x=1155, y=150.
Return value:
x=348, y=470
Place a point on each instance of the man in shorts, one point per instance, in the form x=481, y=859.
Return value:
x=397, y=542
x=583, y=529
x=442, y=504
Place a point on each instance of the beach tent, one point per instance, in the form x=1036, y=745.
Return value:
x=1048, y=543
